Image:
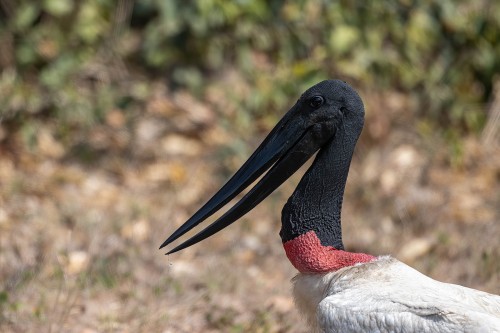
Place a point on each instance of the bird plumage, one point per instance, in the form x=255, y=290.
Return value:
x=385, y=295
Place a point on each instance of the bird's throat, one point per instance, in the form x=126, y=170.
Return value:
x=308, y=255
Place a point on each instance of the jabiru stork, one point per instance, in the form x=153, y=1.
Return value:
x=337, y=290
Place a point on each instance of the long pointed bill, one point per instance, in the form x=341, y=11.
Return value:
x=290, y=149
x=270, y=150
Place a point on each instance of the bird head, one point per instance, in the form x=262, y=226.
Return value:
x=322, y=111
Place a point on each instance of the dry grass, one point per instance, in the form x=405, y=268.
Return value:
x=79, y=242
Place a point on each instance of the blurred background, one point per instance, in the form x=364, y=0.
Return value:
x=119, y=118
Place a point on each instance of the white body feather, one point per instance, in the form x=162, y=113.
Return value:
x=388, y=296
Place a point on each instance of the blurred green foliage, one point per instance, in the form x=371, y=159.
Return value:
x=76, y=60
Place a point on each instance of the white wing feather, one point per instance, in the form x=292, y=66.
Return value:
x=389, y=296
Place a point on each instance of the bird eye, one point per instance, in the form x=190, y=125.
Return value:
x=316, y=101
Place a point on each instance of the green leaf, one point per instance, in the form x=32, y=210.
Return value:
x=26, y=14
x=58, y=7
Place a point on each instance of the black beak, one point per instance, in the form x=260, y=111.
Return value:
x=289, y=145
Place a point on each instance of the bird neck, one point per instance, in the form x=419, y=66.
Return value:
x=308, y=255
x=311, y=219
